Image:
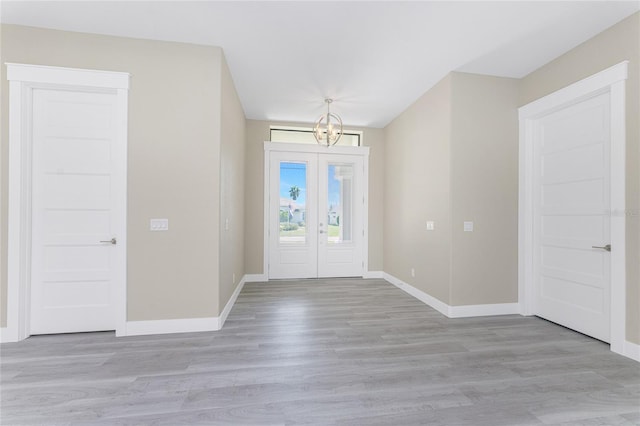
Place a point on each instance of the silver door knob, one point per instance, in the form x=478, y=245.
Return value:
x=321, y=231
x=112, y=241
x=607, y=247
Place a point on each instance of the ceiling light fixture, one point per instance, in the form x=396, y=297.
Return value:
x=328, y=128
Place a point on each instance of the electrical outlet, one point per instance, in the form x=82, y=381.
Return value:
x=431, y=225
x=234, y=278
x=159, y=224
x=413, y=272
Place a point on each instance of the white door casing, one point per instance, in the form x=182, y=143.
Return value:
x=318, y=254
x=572, y=197
x=24, y=81
x=74, y=206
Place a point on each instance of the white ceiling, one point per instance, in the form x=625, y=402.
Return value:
x=373, y=58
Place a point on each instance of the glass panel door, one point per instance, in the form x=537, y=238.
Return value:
x=293, y=245
x=340, y=225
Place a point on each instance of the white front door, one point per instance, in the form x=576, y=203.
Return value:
x=572, y=216
x=340, y=204
x=75, y=226
x=293, y=220
x=316, y=215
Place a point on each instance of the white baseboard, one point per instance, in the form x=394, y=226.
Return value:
x=449, y=311
x=483, y=310
x=183, y=325
x=256, y=278
x=373, y=274
x=232, y=300
x=631, y=350
x=425, y=298
x=186, y=325
x=7, y=336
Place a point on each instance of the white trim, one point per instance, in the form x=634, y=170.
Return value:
x=425, y=298
x=5, y=336
x=631, y=350
x=463, y=311
x=365, y=214
x=618, y=216
x=373, y=274
x=578, y=90
x=232, y=301
x=265, y=214
x=22, y=80
x=611, y=80
x=315, y=148
x=256, y=278
x=460, y=311
x=67, y=76
x=186, y=325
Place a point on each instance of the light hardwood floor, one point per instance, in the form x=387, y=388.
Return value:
x=343, y=351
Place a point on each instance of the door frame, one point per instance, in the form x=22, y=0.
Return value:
x=611, y=81
x=23, y=79
x=362, y=151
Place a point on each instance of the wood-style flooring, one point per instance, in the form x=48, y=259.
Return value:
x=340, y=351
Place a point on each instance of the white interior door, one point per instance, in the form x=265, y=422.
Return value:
x=571, y=215
x=316, y=215
x=74, y=225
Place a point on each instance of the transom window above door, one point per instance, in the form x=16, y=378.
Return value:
x=304, y=135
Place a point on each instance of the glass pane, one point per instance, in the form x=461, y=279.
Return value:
x=340, y=205
x=306, y=136
x=293, y=210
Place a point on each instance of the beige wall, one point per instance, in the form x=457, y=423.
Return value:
x=618, y=43
x=174, y=143
x=484, y=189
x=455, y=159
x=257, y=134
x=232, y=172
x=417, y=189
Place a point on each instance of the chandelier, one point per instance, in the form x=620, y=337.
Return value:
x=328, y=128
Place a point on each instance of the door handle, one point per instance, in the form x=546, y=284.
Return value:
x=321, y=231
x=112, y=241
x=607, y=247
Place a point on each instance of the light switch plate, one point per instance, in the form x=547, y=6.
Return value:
x=468, y=226
x=431, y=225
x=159, y=225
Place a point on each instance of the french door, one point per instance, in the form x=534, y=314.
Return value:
x=316, y=214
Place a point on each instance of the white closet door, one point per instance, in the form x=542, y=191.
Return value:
x=74, y=225
x=572, y=215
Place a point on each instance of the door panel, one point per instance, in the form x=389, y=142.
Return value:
x=340, y=206
x=572, y=215
x=72, y=272
x=292, y=225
